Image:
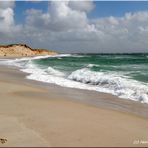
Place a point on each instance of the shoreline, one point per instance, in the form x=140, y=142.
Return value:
x=83, y=79
x=49, y=115
x=104, y=100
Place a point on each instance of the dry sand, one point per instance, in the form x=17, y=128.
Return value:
x=33, y=114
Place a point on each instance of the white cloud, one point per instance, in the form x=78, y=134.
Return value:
x=36, y=18
x=6, y=4
x=66, y=27
x=81, y=5
x=7, y=16
x=7, y=22
x=62, y=16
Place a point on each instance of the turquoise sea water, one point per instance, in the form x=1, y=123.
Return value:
x=124, y=75
x=133, y=65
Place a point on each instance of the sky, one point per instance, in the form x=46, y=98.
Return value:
x=76, y=26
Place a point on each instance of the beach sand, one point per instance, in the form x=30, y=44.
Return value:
x=37, y=114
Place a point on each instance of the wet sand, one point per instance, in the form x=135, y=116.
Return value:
x=39, y=114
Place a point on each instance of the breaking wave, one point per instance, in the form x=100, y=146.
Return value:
x=116, y=84
x=83, y=78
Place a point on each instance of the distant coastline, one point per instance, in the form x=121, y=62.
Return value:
x=22, y=50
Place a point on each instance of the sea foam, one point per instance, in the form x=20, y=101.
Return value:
x=116, y=84
x=85, y=78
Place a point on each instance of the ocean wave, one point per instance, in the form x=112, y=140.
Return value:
x=98, y=81
x=108, y=82
x=30, y=67
x=117, y=84
x=54, y=72
x=92, y=65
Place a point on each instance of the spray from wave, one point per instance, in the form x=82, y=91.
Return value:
x=83, y=77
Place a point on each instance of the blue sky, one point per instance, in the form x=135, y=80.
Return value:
x=22, y=6
x=117, y=8
x=101, y=9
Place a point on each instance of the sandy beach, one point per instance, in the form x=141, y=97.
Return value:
x=38, y=114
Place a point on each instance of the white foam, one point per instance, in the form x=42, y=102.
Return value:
x=110, y=82
x=62, y=55
x=54, y=72
x=32, y=68
x=113, y=83
x=98, y=81
x=44, y=57
x=32, y=58
x=92, y=65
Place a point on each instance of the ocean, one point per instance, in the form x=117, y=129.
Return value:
x=123, y=75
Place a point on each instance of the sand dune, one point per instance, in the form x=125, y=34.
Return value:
x=15, y=50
